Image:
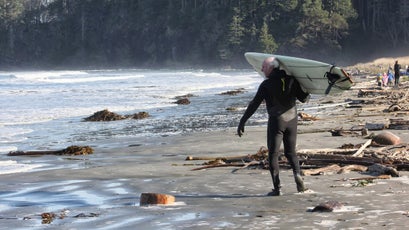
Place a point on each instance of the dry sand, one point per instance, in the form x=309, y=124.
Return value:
x=102, y=190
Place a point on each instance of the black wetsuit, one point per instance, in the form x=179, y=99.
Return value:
x=280, y=92
x=396, y=68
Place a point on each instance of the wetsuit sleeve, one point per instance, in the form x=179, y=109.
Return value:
x=299, y=92
x=253, y=105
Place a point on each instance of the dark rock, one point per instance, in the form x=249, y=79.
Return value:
x=140, y=115
x=233, y=92
x=105, y=115
x=184, y=96
x=328, y=206
x=183, y=101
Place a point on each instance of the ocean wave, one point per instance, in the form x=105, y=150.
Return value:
x=7, y=76
x=7, y=149
x=7, y=134
x=10, y=166
x=73, y=80
x=34, y=75
x=53, y=103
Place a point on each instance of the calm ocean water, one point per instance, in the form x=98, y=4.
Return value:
x=45, y=109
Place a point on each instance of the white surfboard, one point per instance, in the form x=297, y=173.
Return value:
x=314, y=76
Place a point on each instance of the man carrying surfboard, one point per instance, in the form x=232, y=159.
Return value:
x=280, y=93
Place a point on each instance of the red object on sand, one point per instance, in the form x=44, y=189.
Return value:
x=156, y=198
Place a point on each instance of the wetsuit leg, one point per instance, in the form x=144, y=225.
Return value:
x=290, y=140
x=274, y=139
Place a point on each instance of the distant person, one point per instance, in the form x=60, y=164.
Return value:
x=379, y=79
x=390, y=78
x=385, y=79
x=396, y=68
x=279, y=91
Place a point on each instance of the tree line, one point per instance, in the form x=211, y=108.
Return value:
x=194, y=33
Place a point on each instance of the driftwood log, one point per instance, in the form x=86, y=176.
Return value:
x=370, y=178
x=342, y=132
x=72, y=150
x=307, y=117
x=398, y=123
x=377, y=161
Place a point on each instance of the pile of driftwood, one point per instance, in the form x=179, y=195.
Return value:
x=394, y=98
x=259, y=160
x=373, y=157
x=381, y=154
x=390, y=101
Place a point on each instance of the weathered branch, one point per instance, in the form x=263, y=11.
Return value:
x=370, y=177
x=220, y=165
x=360, y=150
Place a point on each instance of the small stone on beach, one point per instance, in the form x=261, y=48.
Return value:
x=327, y=206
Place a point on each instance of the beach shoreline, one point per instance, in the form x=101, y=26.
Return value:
x=102, y=190
x=106, y=186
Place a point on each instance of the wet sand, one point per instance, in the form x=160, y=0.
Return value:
x=102, y=190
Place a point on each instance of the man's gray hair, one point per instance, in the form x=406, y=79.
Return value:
x=274, y=63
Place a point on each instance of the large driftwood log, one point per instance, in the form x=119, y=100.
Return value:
x=324, y=159
x=348, y=168
x=370, y=177
x=320, y=171
x=72, y=150
x=261, y=154
x=348, y=157
x=220, y=165
x=375, y=126
x=369, y=92
x=326, y=151
x=334, y=168
x=398, y=123
x=233, y=158
x=252, y=163
x=341, y=132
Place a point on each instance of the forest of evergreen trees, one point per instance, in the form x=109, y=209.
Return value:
x=195, y=33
